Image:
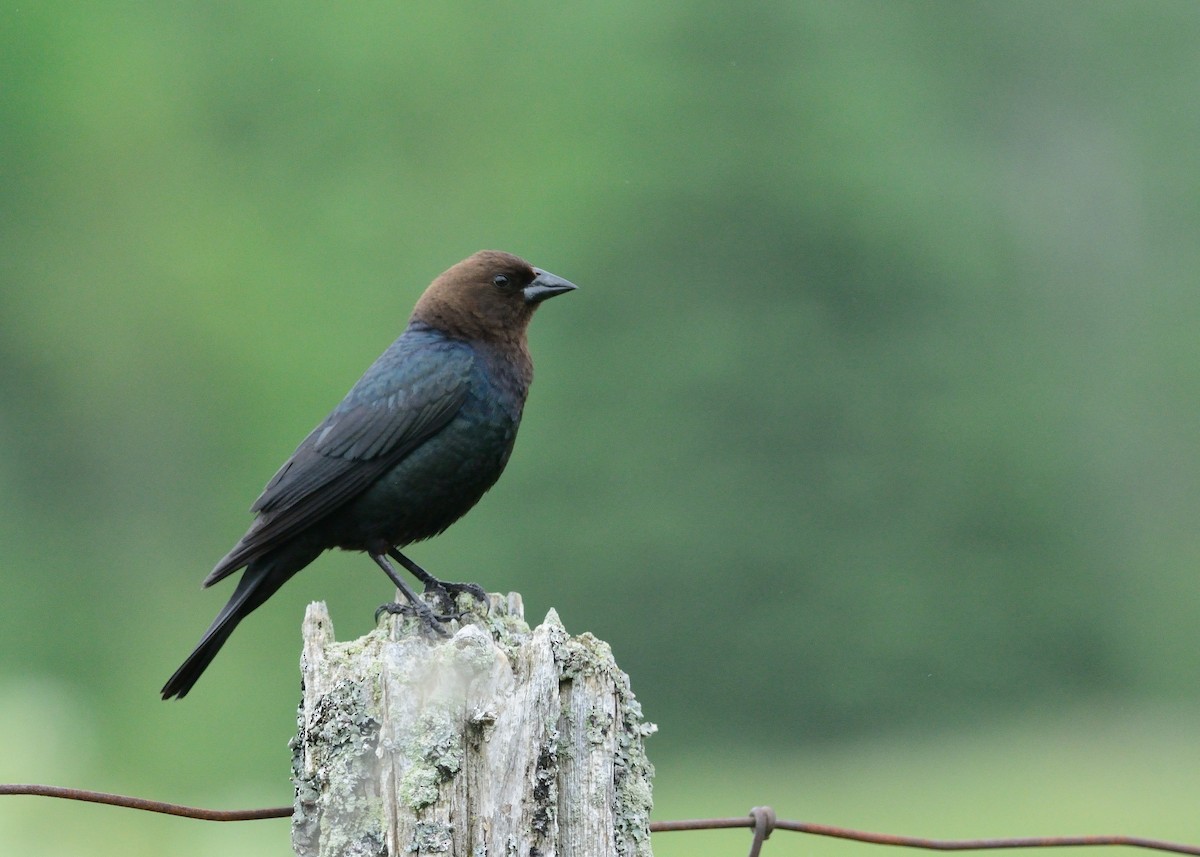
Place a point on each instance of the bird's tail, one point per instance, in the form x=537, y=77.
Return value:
x=261, y=579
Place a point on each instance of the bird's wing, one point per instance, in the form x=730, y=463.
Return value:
x=403, y=400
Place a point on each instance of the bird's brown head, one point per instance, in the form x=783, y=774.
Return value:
x=488, y=296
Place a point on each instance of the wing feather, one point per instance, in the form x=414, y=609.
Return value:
x=411, y=392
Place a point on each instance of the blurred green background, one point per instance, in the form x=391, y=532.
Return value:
x=869, y=441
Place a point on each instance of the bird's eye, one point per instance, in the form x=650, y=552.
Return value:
x=500, y=281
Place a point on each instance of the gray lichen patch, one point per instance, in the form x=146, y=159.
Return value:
x=507, y=629
x=433, y=755
x=545, y=786
x=599, y=724
x=633, y=776
x=586, y=655
x=338, y=809
x=431, y=837
x=418, y=787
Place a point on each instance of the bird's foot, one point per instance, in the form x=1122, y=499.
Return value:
x=420, y=610
x=447, y=594
x=415, y=604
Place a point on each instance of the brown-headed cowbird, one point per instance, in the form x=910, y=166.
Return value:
x=414, y=445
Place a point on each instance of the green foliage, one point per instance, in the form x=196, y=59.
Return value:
x=875, y=411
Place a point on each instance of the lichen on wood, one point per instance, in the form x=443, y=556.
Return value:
x=495, y=741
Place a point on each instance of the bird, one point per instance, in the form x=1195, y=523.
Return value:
x=417, y=441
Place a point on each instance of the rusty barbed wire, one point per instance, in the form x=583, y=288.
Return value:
x=761, y=818
x=753, y=820
x=145, y=804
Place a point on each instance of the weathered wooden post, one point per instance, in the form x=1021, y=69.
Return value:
x=497, y=741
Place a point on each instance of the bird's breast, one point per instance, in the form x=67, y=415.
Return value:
x=439, y=481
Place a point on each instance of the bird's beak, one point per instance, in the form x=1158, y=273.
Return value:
x=546, y=285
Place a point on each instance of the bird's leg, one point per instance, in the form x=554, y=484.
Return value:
x=447, y=591
x=417, y=605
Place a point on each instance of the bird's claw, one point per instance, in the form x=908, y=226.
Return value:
x=393, y=608
x=428, y=618
x=448, y=594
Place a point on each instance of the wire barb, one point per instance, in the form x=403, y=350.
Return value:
x=764, y=826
